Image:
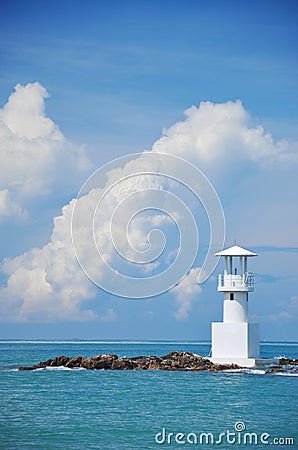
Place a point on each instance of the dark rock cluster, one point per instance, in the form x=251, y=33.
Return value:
x=288, y=362
x=172, y=361
x=285, y=365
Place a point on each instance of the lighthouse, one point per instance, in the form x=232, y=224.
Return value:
x=235, y=340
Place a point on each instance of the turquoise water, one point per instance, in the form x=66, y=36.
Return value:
x=80, y=409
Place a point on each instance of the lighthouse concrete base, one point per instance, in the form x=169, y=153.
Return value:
x=261, y=363
x=236, y=343
x=242, y=362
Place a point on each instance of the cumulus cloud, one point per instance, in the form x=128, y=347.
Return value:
x=24, y=113
x=39, y=286
x=222, y=133
x=47, y=283
x=35, y=157
x=186, y=292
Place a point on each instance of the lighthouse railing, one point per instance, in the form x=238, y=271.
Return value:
x=230, y=281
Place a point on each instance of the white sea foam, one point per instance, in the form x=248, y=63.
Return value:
x=255, y=371
x=53, y=368
x=286, y=374
x=49, y=368
x=76, y=369
x=248, y=371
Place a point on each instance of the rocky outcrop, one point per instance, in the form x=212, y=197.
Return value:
x=288, y=362
x=285, y=365
x=172, y=361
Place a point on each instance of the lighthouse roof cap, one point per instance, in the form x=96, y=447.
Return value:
x=235, y=251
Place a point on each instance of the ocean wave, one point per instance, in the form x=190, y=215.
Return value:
x=286, y=374
x=255, y=371
x=260, y=372
x=248, y=371
x=51, y=368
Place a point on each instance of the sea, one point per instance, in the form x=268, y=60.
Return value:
x=62, y=408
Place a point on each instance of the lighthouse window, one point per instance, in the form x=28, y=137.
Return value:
x=232, y=296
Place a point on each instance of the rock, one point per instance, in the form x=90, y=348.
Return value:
x=124, y=364
x=288, y=362
x=87, y=363
x=74, y=362
x=59, y=361
x=219, y=367
x=56, y=362
x=104, y=361
x=275, y=369
x=172, y=361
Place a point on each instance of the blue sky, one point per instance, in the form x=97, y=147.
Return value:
x=118, y=74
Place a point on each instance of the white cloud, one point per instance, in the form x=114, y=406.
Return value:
x=8, y=207
x=24, y=113
x=35, y=157
x=186, y=292
x=222, y=133
x=47, y=283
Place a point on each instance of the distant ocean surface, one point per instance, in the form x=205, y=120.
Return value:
x=80, y=409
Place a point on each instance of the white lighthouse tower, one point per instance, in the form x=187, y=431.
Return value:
x=235, y=340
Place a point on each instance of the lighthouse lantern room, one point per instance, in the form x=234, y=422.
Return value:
x=235, y=340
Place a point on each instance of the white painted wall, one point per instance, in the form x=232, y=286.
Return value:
x=235, y=340
x=235, y=310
